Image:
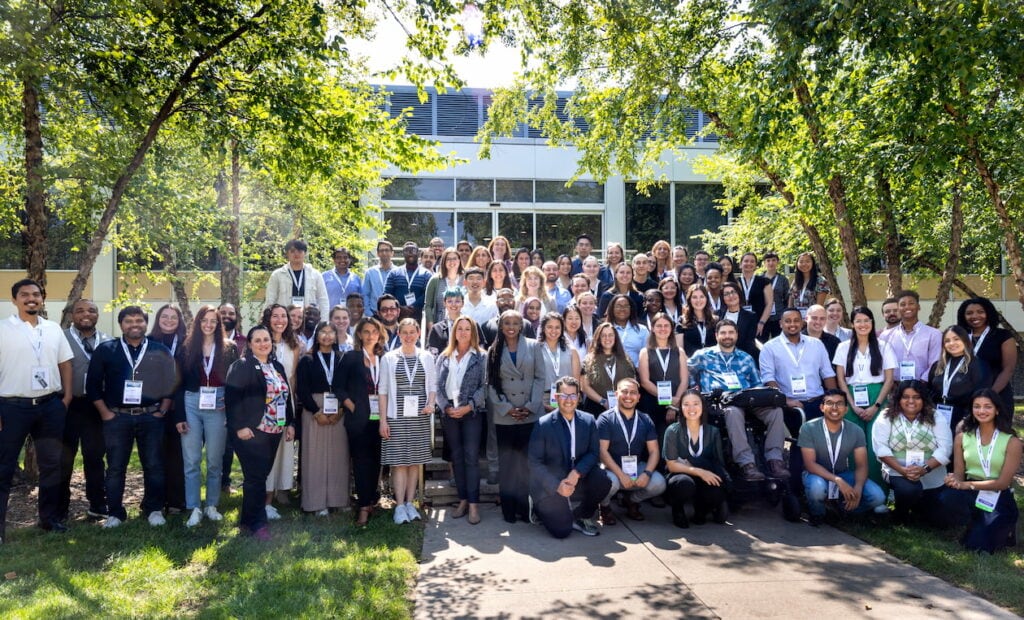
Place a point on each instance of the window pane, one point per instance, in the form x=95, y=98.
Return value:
x=515, y=191
x=474, y=227
x=556, y=232
x=647, y=217
x=407, y=188
x=580, y=191
x=60, y=248
x=517, y=228
x=419, y=226
x=479, y=190
x=697, y=211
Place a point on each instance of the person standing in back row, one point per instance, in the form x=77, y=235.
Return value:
x=917, y=346
x=297, y=282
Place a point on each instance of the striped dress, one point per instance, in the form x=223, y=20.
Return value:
x=410, y=436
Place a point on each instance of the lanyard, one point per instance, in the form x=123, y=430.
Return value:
x=337, y=278
x=174, y=345
x=796, y=358
x=833, y=452
x=298, y=282
x=947, y=378
x=703, y=331
x=664, y=362
x=35, y=339
x=714, y=306
x=556, y=360
x=747, y=286
x=208, y=365
x=908, y=430
x=907, y=344
x=409, y=279
x=572, y=437
x=410, y=375
x=700, y=442
x=981, y=339
x=986, y=459
x=329, y=369
x=629, y=437
x=81, y=344
x=803, y=293
x=374, y=368
x=128, y=354
x=726, y=360
x=609, y=369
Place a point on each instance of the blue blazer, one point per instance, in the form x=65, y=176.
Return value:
x=549, y=456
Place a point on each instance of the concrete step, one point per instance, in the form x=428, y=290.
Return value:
x=438, y=492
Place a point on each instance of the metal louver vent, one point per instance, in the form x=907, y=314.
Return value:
x=458, y=114
x=421, y=121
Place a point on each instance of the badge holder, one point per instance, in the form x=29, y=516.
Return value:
x=664, y=393
x=987, y=500
x=860, y=396
x=330, y=404
x=132, y=393
x=629, y=467
x=410, y=406
x=613, y=400
x=207, y=398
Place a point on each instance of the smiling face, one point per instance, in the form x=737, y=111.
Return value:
x=804, y=264
x=340, y=319
x=511, y=326
x=168, y=321
x=653, y=302
x=587, y=304
x=692, y=406
x=862, y=324
x=679, y=257
x=834, y=312
x=607, y=340
x=552, y=330
x=369, y=336
x=295, y=317
x=953, y=344
x=663, y=328
x=408, y=334
x=463, y=333
x=208, y=324
x=591, y=267
x=698, y=300
x=748, y=264
x=911, y=403
x=621, y=309
x=713, y=280
x=279, y=320
x=833, y=407
x=84, y=315
x=532, y=311
x=573, y=320
x=326, y=338
x=976, y=317
x=628, y=395
x=613, y=254
x=624, y=275
x=260, y=343
x=984, y=410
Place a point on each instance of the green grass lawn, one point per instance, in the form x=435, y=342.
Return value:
x=314, y=566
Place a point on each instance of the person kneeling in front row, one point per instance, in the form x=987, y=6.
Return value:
x=826, y=444
x=563, y=456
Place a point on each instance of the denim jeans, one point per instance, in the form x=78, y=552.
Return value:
x=119, y=434
x=207, y=426
x=816, y=492
x=656, y=485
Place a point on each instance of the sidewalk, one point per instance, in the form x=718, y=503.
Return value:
x=758, y=565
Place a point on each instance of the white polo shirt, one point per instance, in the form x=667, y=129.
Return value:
x=25, y=350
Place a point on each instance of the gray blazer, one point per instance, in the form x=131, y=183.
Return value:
x=474, y=382
x=522, y=384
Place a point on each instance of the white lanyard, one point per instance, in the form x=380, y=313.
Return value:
x=664, y=362
x=746, y=287
x=416, y=366
x=700, y=442
x=298, y=282
x=796, y=358
x=556, y=360
x=609, y=369
x=337, y=278
x=629, y=437
x=174, y=345
x=329, y=369
x=374, y=368
x=726, y=360
x=981, y=339
x=35, y=338
x=908, y=428
x=714, y=306
x=703, y=331
x=409, y=279
x=380, y=275
x=208, y=365
x=572, y=437
x=986, y=459
x=833, y=453
x=947, y=378
x=907, y=344
x=128, y=354
x=81, y=345
x=803, y=293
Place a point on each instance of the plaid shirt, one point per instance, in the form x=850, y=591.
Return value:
x=711, y=364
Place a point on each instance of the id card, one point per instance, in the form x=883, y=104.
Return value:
x=945, y=413
x=132, y=393
x=41, y=378
x=798, y=384
x=732, y=380
x=629, y=466
x=207, y=398
x=748, y=308
x=299, y=301
x=553, y=398
x=330, y=404
x=664, y=392
x=281, y=411
x=410, y=299
x=915, y=458
x=908, y=370
x=860, y=396
x=833, y=490
x=374, y=408
x=411, y=406
x=613, y=400
x=987, y=500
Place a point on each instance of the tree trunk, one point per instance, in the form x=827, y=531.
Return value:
x=952, y=261
x=230, y=269
x=893, y=256
x=35, y=234
x=177, y=283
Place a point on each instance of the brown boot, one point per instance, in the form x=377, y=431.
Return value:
x=751, y=473
x=607, y=517
x=776, y=469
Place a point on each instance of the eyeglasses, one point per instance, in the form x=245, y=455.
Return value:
x=568, y=396
x=832, y=404
x=389, y=309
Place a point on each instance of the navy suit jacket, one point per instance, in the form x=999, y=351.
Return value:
x=549, y=457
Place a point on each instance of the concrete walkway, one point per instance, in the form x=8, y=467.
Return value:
x=758, y=565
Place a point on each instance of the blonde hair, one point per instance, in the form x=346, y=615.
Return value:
x=474, y=336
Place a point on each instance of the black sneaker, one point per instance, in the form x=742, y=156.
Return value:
x=587, y=527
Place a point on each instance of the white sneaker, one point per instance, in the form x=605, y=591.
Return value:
x=272, y=513
x=400, y=514
x=156, y=518
x=212, y=514
x=411, y=512
x=111, y=522
x=194, y=519
x=322, y=513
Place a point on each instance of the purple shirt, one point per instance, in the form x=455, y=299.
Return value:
x=922, y=346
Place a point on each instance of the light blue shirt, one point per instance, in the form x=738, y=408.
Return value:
x=782, y=360
x=340, y=286
x=373, y=287
x=633, y=339
x=561, y=296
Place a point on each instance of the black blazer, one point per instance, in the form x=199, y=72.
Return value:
x=310, y=379
x=549, y=458
x=245, y=394
x=353, y=386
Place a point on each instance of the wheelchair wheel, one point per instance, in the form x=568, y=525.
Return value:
x=790, y=507
x=774, y=493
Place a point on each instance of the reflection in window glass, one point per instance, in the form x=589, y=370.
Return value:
x=514, y=191
x=474, y=190
x=647, y=217
x=578, y=192
x=517, y=228
x=474, y=227
x=556, y=232
x=697, y=211
x=419, y=226
x=407, y=188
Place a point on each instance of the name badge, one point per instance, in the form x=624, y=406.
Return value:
x=41, y=378
x=987, y=500
x=330, y=404
x=374, y=408
x=410, y=299
x=411, y=406
x=803, y=315
x=798, y=383
x=281, y=413
x=732, y=380
x=945, y=412
x=907, y=370
x=553, y=398
x=613, y=400
x=860, y=396
x=207, y=398
x=915, y=458
x=132, y=393
x=299, y=301
x=833, y=490
x=748, y=308
x=629, y=466
x=664, y=392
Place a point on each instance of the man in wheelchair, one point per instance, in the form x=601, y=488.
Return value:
x=724, y=368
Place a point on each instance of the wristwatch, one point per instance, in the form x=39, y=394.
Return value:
x=927, y=468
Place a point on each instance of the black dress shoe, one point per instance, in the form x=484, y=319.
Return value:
x=53, y=526
x=679, y=519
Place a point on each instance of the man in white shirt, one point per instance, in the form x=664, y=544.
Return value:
x=479, y=306
x=35, y=391
x=296, y=282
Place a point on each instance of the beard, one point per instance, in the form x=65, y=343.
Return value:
x=229, y=324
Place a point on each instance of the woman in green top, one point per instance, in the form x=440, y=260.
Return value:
x=986, y=456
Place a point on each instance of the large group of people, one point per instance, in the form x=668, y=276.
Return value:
x=565, y=381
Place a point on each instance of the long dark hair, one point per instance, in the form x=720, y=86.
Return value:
x=927, y=414
x=1004, y=418
x=288, y=337
x=497, y=348
x=991, y=316
x=581, y=334
x=194, y=344
x=609, y=314
x=873, y=348
x=357, y=343
x=158, y=334
x=322, y=325
x=491, y=285
x=703, y=407
x=547, y=318
x=688, y=320
x=798, y=278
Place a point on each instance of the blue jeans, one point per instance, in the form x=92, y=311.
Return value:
x=816, y=492
x=119, y=434
x=463, y=438
x=207, y=426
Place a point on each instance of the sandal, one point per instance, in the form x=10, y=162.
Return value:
x=460, y=511
x=364, y=516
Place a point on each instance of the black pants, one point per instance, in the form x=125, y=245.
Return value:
x=174, y=466
x=256, y=457
x=557, y=515
x=462, y=436
x=683, y=488
x=45, y=423
x=83, y=426
x=514, y=470
x=364, y=448
x=912, y=497
x=225, y=468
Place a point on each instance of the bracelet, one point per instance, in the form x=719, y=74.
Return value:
x=760, y=323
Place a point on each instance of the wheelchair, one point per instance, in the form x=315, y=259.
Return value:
x=775, y=491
